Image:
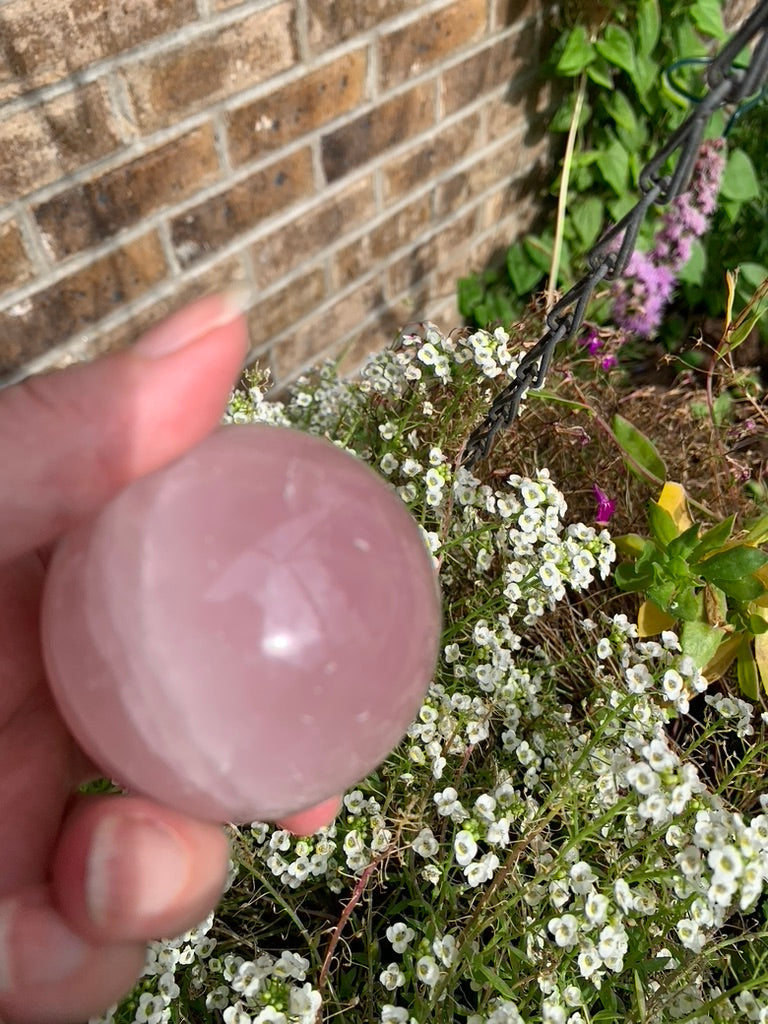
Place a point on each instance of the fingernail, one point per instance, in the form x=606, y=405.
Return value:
x=193, y=322
x=137, y=869
x=23, y=940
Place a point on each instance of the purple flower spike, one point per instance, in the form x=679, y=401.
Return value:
x=650, y=278
x=605, y=507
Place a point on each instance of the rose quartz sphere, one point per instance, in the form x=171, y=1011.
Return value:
x=246, y=632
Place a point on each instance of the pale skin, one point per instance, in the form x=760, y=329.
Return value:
x=74, y=925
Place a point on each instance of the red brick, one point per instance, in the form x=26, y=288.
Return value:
x=420, y=44
x=335, y=21
x=432, y=157
x=87, y=214
x=279, y=252
x=217, y=221
x=325, y=332
x=40, y=145
x=495, y=65
x=502, y=163
x=47, y=40
x=15, y=265
x=79, y=301
x=509, y=12
x=168, y=86
x=421, y=261
x=362, y=254
x=273, y=315
x=298, y=108
x=375, y=131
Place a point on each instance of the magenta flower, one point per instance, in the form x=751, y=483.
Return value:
x=605, y=507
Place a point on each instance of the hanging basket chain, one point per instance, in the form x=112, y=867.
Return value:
x=727, y=85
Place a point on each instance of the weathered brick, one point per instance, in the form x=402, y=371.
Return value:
x=215, y=222
x=498, y=64
x=362, y=254
x=409, y=50
x=373, y=132
x=298, y=108
x=509, y=12
x=39, y=145
x=496, y=165
x=421, y=261
x=431, y=157
x=170, y=85
x=50, y=317
x=275, y=314
x=15, y=265
x=334, y=21
x=282, y=250
x=325, y=331
x=46, y=40
x=87, y=214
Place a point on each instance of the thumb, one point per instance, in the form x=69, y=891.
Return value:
x=71, y=440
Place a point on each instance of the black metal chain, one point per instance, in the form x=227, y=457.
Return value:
x=727, y=85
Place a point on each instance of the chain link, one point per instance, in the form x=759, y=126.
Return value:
x=727, y=85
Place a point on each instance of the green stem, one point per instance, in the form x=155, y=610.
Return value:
x=562, y=199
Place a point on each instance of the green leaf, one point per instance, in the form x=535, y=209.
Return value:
x=538, y=249
x=662, y=525
x=617, y=47
x=682, y=545
x=743, y=590
x=587, y=218
x=613, y=163
x=643, y=75
x=746, y=672
x=758, y=530
x=620, y=110
x=640, y=448
x=648, y=26
x=523, y=274
x=601, y=73
x=733, y=564
x=708, y=17
x=627, y=578
x=700, y=641
x=713, y=539
x=577, y=54
x=740, y=180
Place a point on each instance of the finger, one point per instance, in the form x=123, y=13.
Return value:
x=70, y=440
x=49, y=974
x=308, y=822
x=126, y=868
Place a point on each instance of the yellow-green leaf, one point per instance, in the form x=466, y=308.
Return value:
x=652, y=620
x=723, y=658
x=746, y=671
x=673, y=499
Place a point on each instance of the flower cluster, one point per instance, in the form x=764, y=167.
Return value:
x=649, y=279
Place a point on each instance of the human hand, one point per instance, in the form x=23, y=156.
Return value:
x=86, y=881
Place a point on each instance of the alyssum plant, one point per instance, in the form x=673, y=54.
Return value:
x=538, y=849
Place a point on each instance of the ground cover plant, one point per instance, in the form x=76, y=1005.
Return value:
x=575, y=828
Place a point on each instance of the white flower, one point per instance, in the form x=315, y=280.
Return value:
x=427, y=970
x=393, y=1014
x=604, y=649
x=425, y=844
x=672, y=684
x=400, y=936
x=392, y=977
x=565, y=930
x=643, y=779
x=725, y=862
x=445, y=949
x=388, y=464
x=589, y=961
x=582, y=878
x=596, y=908
x=464, y=848
x=234, y=1015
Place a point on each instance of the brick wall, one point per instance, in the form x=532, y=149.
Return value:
x=347, y=159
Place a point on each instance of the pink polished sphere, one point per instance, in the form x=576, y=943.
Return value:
x=246, y=632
